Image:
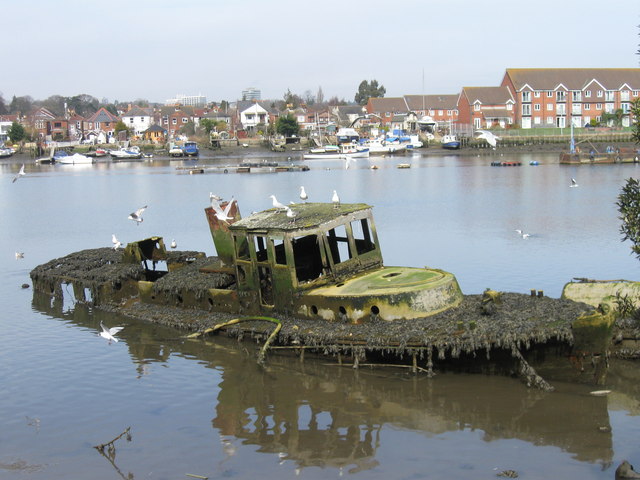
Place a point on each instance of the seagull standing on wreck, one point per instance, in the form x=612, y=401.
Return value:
x=291, y=214
x=19, y=174
x=137, y=215
x=173, y=243
x=110, y=333
x=214, y=199
x=489, y=137
x=335, y=199
x=276, y=203
x=116, y=243
x=303, y=195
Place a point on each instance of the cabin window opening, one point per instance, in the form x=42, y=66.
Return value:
x=266, y=285
x=307, y=257
x=362, y=236
x=278, y=248
x=339, y=244
x=314, y=309
x=242, y=247
x=260, y=245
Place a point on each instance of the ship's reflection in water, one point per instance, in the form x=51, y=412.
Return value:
x=318, y=414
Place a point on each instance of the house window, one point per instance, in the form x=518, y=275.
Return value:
x=587, y=106
x=526, y=109
x=624, y=95
x=550, y=107
x=537, y=121
x=600, y=93
x=598, y=106
x=174, y=121
x=625, y=107
x=448, y=113
x=536, y=107
x=587, y=93
x=509, y=106
x=561, y=96
x=476, y=107
x=536, y=94
x=131, y=120
x=549, y=93
x=440, y=112
x=576, y=96
x=635, y=93
x=549, y=120
x=609, y=96
x=185, y=119
x=526, y=96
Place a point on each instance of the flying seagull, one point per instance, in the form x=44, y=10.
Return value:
x=214, y=198
x=19, y=255
x=19, y=174
x=573, y=183
x=303, y=194
x=110, y=333
x=276, y=203
x=137, y=215
x=116, y=243
x=489, y=137
x=223, y=214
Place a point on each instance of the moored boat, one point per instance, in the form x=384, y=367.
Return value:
x=75, y=159
x=336, y=152
x=126, y=154
x=191, y=149
x=450, y=142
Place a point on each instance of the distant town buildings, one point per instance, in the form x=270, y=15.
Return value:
x=187, y=100
x=251, y=93
x=527, y=98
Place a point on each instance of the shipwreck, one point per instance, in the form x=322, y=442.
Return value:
x=316, y=272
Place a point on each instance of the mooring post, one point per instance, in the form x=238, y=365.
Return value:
x=301, y=355
x=414, y=366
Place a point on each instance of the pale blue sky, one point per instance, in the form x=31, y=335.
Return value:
x=154, y=49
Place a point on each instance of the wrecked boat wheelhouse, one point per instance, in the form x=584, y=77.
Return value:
x=324, y=261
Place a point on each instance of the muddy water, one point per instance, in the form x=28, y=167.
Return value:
x=206, y=408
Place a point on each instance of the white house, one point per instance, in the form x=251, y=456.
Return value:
x=252, y=116
x=138, y=120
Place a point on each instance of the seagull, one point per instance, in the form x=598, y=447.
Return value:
x=19, y=255
x=214, y=198
x=488, y=136
x=525, y=236
x=347, y=161
x=276, y=203
x=137, y=215
x=573, y=183
x=303, y=194
x=223, y=214
x=116, y=243
x=19, y=174
x=518, y=231
x=173, y=244
x=291, y=214
x=335, y=199
x=110, y=333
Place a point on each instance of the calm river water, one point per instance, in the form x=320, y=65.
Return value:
x=206, y=408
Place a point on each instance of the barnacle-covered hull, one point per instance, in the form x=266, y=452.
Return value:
x=320, y=276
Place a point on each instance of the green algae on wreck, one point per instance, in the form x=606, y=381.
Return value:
x=321, y=274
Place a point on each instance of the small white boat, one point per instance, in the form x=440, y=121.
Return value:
x=75, y=159
x=381, y=146
x=450, y=142
x=337, y=152
x=6, y=152
x=126, y=153
x=175, y=150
